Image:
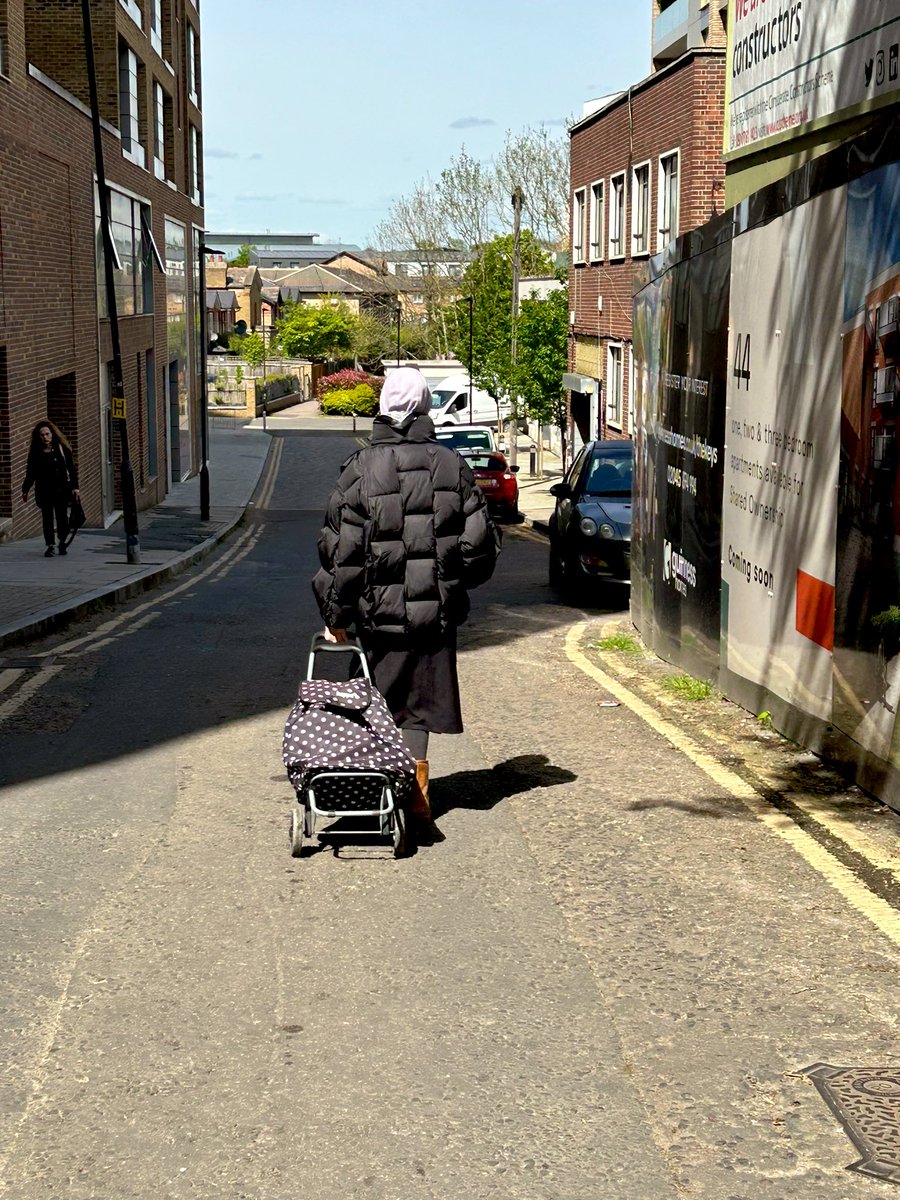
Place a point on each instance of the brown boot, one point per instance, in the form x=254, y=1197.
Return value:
x=420, y=803
x=427, y=833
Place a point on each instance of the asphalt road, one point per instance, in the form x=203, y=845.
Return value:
x=603, y=983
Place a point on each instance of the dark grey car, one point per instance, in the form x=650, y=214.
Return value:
x=590, y=530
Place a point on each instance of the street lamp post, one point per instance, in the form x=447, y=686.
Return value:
x=202, y=251
x=110, y=258
x=399, y=311
x=470, y=300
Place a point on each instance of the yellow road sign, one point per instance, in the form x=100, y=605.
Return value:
x=118, y=407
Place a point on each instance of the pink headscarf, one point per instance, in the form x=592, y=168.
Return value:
x=405, y=392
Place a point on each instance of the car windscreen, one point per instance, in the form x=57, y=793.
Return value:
x=485, y=462
x=439, y=398
x=610, y=472
x=466, y=439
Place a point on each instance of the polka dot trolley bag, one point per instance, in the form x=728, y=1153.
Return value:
x=343, y=752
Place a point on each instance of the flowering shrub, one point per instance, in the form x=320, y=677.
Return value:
x=359, y=401
x=340, y=381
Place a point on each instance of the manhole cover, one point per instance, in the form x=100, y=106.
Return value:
x=866, y=1101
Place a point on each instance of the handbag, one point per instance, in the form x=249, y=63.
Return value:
x=76, y=518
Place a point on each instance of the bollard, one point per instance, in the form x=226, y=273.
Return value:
x=532, y=462
x=265, y=412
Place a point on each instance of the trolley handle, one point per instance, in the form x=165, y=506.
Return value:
x=319, y=645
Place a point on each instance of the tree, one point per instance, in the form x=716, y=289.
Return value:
x=537, y=162
x=542, y=333
x=309, y=331
x=371, y=339
x=242, y=258
x=253, y=349
x=488, y=280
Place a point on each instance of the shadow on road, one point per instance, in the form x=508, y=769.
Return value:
x=481, y=790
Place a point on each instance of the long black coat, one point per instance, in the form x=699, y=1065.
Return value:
x=53, y=475
x=407, y=533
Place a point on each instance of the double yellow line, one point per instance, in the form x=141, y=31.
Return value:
x=874, y=908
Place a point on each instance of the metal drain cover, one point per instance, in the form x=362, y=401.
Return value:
x=866, y=1101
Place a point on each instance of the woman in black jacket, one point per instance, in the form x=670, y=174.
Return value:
x=51, y=469
x=407, y=534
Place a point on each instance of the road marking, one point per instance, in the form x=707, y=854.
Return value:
x=134, y=619
x=854, y=891
x=271, y=469
x=836, y=824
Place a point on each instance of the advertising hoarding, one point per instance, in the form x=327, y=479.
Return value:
x=796, y=65
x=681, y=329
x=782, y=425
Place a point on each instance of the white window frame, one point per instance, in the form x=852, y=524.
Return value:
x=130, y=106
x=617, y=214
x=579, y=225
x=134, y=11
x=615, y=383
x=665, y=232
x=159, y=131
x=597, y=223
x=196, y=175
x=156, y=20
x=640, y=209
x=193, y=80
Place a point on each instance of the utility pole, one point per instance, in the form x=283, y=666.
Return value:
x=470, y=300
x=202, y=251
x=516, y=266
x=110, y=258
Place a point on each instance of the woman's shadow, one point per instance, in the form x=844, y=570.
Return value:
x=481, y=790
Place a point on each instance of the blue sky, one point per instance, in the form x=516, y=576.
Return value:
x=317, y=114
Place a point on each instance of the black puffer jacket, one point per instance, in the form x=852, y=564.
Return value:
x=406, y=534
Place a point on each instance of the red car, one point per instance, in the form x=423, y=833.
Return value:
x=497, y=479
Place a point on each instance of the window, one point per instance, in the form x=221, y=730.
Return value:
x=193, y=65
x=133, y=8
x=597, y=221
x=196, y=175
x=667, y=206
x=132, y=270
x=578, y=215
x=163, y=134
x=640, y=209
x=614, y=381
x=617, y=216
x=131, y=116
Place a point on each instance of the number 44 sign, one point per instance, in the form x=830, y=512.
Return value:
x=741, y=368
x=118, y=408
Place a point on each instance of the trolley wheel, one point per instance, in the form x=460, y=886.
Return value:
x=399, y=832
x=297, y=823
x=308, y=821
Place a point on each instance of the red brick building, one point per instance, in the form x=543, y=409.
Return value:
x=646, y=165
x=55, y=348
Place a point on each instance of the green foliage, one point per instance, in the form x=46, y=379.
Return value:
x=623, y=642
x=543, y=331
x=318, y=333
x=359, y=401
x=342, y=381
x=765, y=719
x=687, y=687
x=888, y=621
x=372, y=338
x=236, y=344
x=242, y=258
x=253, y=350
x=488, y=280
x=274, y=386
x=239, y=375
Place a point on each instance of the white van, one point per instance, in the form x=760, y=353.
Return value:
x=450, y=404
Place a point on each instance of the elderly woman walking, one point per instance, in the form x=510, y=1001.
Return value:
x=407, y=534
x=51, y=469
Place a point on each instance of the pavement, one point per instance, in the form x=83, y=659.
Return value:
x=39, y=594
